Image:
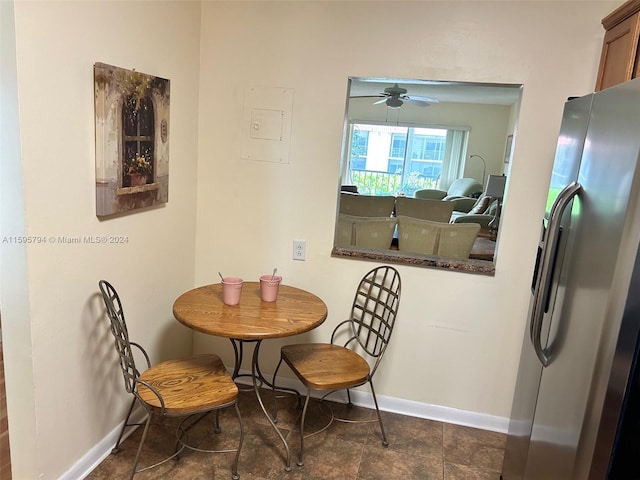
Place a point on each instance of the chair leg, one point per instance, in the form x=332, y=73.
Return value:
x=142, y=439
x=217, y=425
x=234, y=468
x=385, y=443
x=300, y=462
x=116, y=447
x=349, y=402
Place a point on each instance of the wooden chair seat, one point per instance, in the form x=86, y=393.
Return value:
x=323, y=366
x=188, y=385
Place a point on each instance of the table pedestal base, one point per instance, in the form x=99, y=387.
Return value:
x=258, y=380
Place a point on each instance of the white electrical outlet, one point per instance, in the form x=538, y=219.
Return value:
x=299, y=249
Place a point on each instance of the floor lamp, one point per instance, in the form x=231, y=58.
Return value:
x=484, y=166
x=495, y=190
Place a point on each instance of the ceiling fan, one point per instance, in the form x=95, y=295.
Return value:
x=395, y=96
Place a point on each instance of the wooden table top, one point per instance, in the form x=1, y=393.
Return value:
x=295, y=311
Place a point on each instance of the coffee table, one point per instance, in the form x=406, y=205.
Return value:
x=484, y=247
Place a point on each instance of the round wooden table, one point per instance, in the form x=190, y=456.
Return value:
x=295, y=311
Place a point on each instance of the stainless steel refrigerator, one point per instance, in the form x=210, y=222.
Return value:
x=576, y=406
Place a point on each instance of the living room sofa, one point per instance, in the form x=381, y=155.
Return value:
x=462, y=187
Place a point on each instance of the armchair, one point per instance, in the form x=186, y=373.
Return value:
x=483, y=211
x=462, y=187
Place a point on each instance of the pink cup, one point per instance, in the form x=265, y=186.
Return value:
x=269, y=288
x=231, y=290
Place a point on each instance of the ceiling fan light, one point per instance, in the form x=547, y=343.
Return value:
x=394, y=102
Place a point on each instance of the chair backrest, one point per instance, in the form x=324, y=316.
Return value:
x=344, y=230
x=374, y=310
x=366, y=232
x=374, y=232
x=418, y=236
x=456, y=239
x=434, y=210
x=436, y=238
x=366, y=205
x=120, y=334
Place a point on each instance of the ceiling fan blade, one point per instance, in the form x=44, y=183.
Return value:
x=422, y=99
x=419, y=103
x=382, y=100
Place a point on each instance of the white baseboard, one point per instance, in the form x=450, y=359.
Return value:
x=98, y=453
x=102, y=450
x=411, y=408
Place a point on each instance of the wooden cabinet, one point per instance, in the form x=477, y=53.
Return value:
x=620, y=58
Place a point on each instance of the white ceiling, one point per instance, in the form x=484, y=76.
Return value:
x=459, y=92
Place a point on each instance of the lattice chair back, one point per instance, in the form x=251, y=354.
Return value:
x=121, y=335
x=374, y=311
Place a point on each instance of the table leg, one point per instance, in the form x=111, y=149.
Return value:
x=257, y=375
x=238, y=351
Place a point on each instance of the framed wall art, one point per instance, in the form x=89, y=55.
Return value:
x=132, y=139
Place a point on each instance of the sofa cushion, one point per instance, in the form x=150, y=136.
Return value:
x=481, y=205
x=492, y=210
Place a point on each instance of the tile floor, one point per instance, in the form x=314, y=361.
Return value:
x=418, y=449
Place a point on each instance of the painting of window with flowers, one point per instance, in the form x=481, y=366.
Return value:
x=132, y=139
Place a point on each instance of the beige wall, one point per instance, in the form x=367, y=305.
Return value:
x=77, y=392
x=458, y=336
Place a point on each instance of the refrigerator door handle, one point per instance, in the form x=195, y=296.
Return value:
x=543, y=282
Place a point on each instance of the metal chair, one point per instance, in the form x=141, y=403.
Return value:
x=330, y=367
x=189, y=388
